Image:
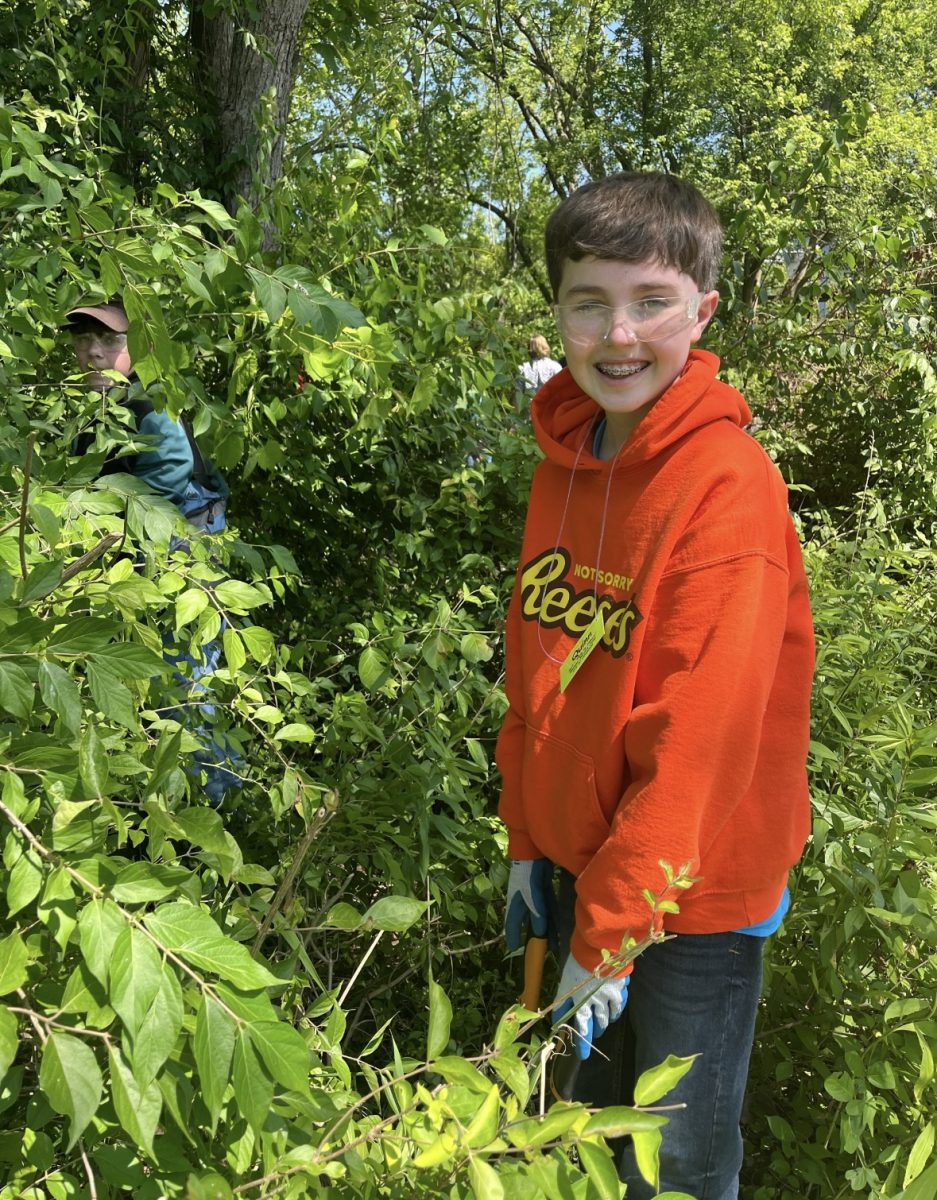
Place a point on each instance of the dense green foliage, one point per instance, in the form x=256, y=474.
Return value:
x=306, y=993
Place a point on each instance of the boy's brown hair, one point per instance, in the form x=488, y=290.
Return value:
x=637, y=216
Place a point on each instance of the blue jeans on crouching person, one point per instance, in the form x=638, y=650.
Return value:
x=694, y=994
x=217, y=759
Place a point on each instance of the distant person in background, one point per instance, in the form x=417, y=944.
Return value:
x=173, y=467
x=534, y=374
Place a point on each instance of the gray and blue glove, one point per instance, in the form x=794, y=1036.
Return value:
x=594, y=1003
x=531, y=903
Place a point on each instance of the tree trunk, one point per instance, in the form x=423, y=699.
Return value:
x=239, y=64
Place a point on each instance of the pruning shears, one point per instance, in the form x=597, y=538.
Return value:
x=564, y=1061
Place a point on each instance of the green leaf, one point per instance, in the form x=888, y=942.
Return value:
x=57, y=908
x=483, y=1127
x=253, y=1090
x=112, y=696
x=9, y=1039
x=234, y=652
x=60, y=694
x=259, y=643
x=207, y=1187
x=24, y=882
x=458, y=1070
x=83, y=994
x=485, y=1183
x=203, y=827
x=189, y=604
x=220, y=217
x=343, y=916
x=13, y=959
x=475, y=648
x=99, y=926
x=617, y=1121
x=659, y=1080
x=128, y=660
x=558, y=1122
x=434, y=235
x=271, y=294
x=135, y=976
x=394, y=913
x=71, y=1079
x=137, y=1107
x=143, y=882
x=213, y=1046
x=600, y=1167
x=82, y=635
x=921, y=1154
x=647, y=1154
x=233, y=594
x=923, y=1188
x=510, y=1068
x=440, y=1019
x=284, y=1053
x=295, y=732
x=41, y=581
x=839, y=1085
x=92, y=762
x=191, y=933
x=156, y=1037
x=372, y=668
x=16, y=690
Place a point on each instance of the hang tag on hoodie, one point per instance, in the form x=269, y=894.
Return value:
x=580, y=652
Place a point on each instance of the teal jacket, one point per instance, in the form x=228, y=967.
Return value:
x=167, y=466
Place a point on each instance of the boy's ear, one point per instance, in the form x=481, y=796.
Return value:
x=705, y=313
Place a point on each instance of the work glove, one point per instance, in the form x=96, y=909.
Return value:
x=594, y=1003
x=531, y=902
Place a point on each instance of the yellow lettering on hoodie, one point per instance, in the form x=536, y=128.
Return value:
x=554, y=603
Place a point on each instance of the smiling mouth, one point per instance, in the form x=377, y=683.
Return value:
x=620, y=370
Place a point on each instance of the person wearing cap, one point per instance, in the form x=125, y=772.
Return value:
x=173, y=467
x=99, y=338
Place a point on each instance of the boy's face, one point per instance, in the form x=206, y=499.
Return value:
x=98, y=349
x=621, y=373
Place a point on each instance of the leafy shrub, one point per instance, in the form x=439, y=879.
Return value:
x=842, y=1077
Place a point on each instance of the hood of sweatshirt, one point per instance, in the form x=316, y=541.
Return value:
x=563, y=415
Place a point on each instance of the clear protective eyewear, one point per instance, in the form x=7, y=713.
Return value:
x=106, y=339
x=647, y=320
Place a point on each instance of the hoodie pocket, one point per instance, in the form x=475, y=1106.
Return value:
x=561, y=805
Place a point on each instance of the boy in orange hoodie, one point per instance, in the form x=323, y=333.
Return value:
x=659, y=663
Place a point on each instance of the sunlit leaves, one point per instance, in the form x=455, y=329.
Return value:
x=192, y=934
x=13, y=959
x=213, y=1046
x=137, y=1106
x=71, y=1079
x=440, y=1020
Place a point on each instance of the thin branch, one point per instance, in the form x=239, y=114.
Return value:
x=27, y=472
x=360, y=967
x=110, y=539
x=92, y=1189
x=320, y=818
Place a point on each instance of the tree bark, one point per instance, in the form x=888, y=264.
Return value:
x=238, y=65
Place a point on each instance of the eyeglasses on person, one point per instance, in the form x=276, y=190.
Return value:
x=647, y=320
x=107, y=339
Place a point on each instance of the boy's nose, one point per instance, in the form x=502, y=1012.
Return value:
x=619, y=331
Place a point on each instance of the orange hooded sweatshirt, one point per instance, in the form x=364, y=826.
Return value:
x=684, y=735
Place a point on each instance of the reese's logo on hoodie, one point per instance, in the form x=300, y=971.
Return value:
x=547, y=598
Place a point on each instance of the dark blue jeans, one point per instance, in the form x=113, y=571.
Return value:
x=218, y=760
x=694, y=994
